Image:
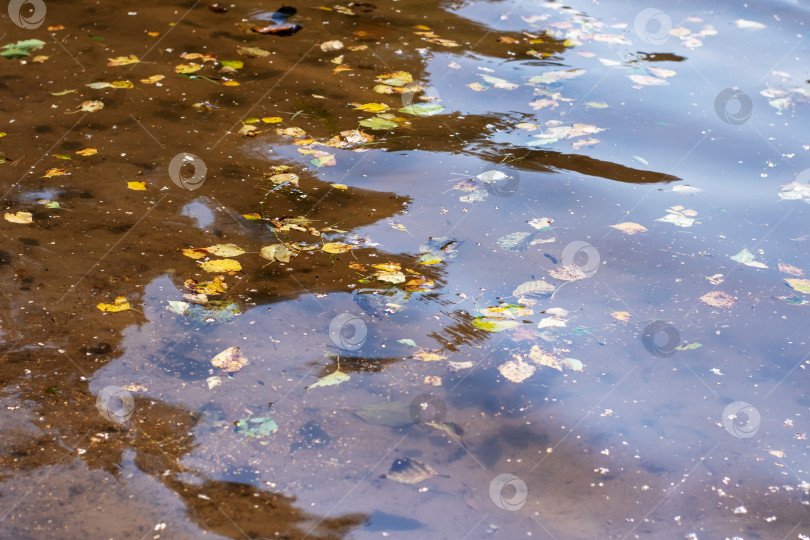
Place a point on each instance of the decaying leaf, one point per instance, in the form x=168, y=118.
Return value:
x=409, y=471
x=747, y=258
x=517, y=370
x=390, y=413
x=120, y=304
x=568, y=273
x=230, y=360
x=91, y=106
x=276, y=252
x=623, y=316
x=428, y=355
x=718, y=299
x=332, y=379
x=628, y=227
x=22, y=218
x=538, y=287
x=789, y=269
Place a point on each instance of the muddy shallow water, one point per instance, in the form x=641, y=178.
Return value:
x=448, y=299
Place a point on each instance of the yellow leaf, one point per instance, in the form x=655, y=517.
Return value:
x=340, y=186
x=123, y=60
x=337, y=247
x=372, y=107
x=388, y=267
x=230, y=83
x=39, y=59
x=426, y=355
x=91, y=106
x=54, y=172
x=19, y=217
x=272, y=119
x=221, y=265
x=623, y=316
x=332, y=379
x=194, y=253
x=153, y=79
x=153, y=34
x=121, y=84
x=801, y=285
x=187, y=68
x=87, y=152
x=252, y=216
x=225, y=250
x=121, y=304
x=628, y=227
x=292, y=132
x=396, y=78
x=338, y=69
x=137, y=186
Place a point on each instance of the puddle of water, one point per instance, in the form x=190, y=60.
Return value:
x=454, y=240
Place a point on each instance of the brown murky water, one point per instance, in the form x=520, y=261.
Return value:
x=445, y=263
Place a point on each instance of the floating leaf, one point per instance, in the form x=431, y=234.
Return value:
x=19, y=217
x=230, y=360
x=120, y=304
x=337, y=247
x=372, y=107
x=221, y=265
x=422, y=109
x=54, y=172
x=788, y=269
x=397, y=78
x=517, y=370
x=194, y=253
x=628, y=227
x=538, y=287
x=276, y=252
x=518, y=241
x=427, y=355
x=123, y=60
x=91, y=106
x=623, y=316
x=252, y=52
x=225, y=250
x=87, y=152
x=20, y=49
x=136, y=186
x=493, y=325
x=801, y=285
x=153, y=79
x=409, y=471
x=747, y=258
x=720, y=299
x=378, y=123
x=272, y=119
x=234, y=64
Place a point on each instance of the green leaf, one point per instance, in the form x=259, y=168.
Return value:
x=688, y=347
x=20, y=49
x=235, y=64
x=410, y=342
x=493, y=325
x=378, y=123
x=256, y=427
x=422, y=109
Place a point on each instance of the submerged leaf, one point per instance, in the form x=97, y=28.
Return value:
x=332, y=379
x=230, y=360
x=409, y=471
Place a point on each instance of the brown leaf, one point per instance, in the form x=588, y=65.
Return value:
x=718, y=299
x=230, y=360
